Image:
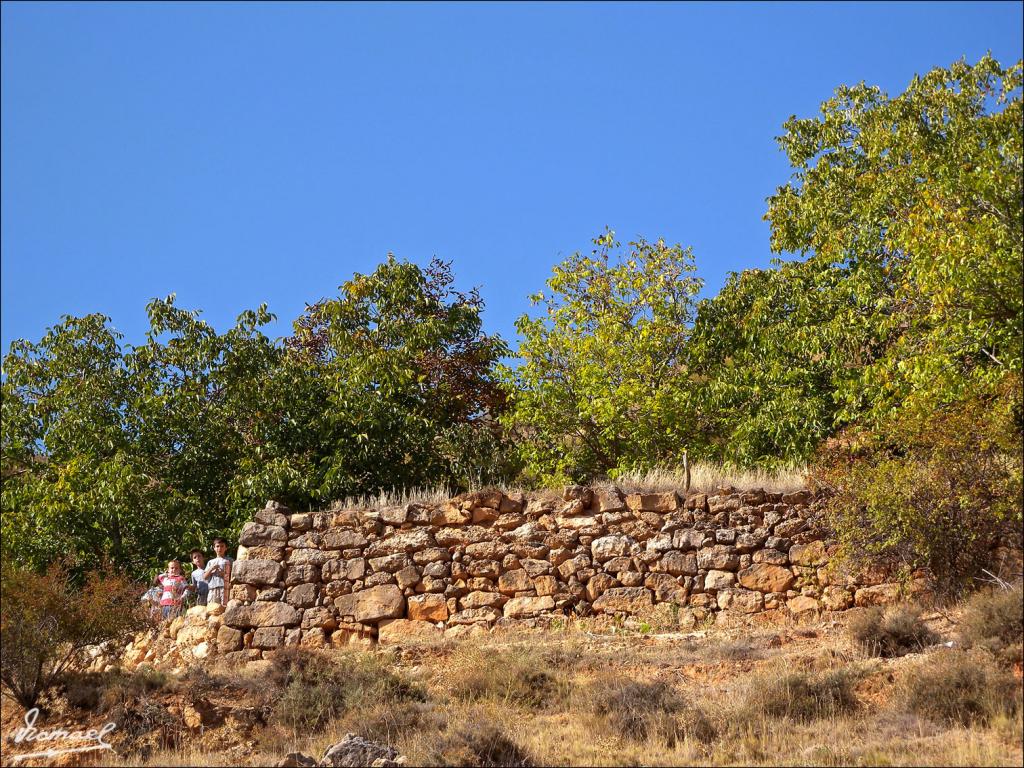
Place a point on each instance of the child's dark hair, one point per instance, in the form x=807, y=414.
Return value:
x=221, y=541
x=197, y=552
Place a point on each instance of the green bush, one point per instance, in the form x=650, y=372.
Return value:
x=890, y=632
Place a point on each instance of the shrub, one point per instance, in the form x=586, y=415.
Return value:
x=994, y=619
x=802, y=696
x=513, y=676
x=316, y=688
x=388, y=722
x=936, y=489
x=46, y=622
x=637, y=710
x=476, y=740
x=104, y=691
x=890, y=632
x=961, y=688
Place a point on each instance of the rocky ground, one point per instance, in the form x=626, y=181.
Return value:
x=591, y=692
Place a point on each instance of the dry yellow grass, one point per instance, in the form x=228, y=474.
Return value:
x=577, y=695
x=705, y=477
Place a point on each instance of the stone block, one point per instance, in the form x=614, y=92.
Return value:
x=522, y=607
x=258, y=572
x=608, y=547
x=301, y=574
x=765, y=577
x=342, y=538
x=720, y=557
x=373, y=604
x=262, y=615
x=428, y=607
x=740, y=600
x=514, y=581
x=266, y=638
x=302, y=595
x=257, y=534
x=406, y=632
x=624, y=600
x=715, y=580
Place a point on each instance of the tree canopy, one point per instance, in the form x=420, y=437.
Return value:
x=884, y=347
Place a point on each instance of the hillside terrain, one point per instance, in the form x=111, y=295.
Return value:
x=599, y=691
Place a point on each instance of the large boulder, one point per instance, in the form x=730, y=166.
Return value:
x=624, y=600
x=263, y=614
x=385, y=601
x=355, y=751
x=259, y=572
x=765, y=577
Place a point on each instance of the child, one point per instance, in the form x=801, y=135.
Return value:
x=218, y=573
x=173, y=585
x=198, y=578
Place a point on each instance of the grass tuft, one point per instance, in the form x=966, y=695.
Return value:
x=801, y=696
x=994, y=620
x=960, y=688
x=706, y=477
x=890, y=632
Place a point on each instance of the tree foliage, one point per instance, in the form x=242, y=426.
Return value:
x=400, y=382
x=124, y=453
x=596, y=390
x=894, y=320
x=137, y=453
x=917, y=201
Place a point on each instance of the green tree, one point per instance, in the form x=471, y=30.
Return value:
x=596, y=390
x=763, y=365
x=917, y=201
x=398, y=385
x=125, y=454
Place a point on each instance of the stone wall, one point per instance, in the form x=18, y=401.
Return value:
x=486, y=559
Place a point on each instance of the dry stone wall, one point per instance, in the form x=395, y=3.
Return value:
x=484, y=559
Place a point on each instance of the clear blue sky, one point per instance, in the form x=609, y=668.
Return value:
x=236, y=153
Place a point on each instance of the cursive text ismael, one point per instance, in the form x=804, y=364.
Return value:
x=29, y=733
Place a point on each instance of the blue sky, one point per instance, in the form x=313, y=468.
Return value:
x=244, y=153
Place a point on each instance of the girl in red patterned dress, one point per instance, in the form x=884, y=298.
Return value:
x=172, y=584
